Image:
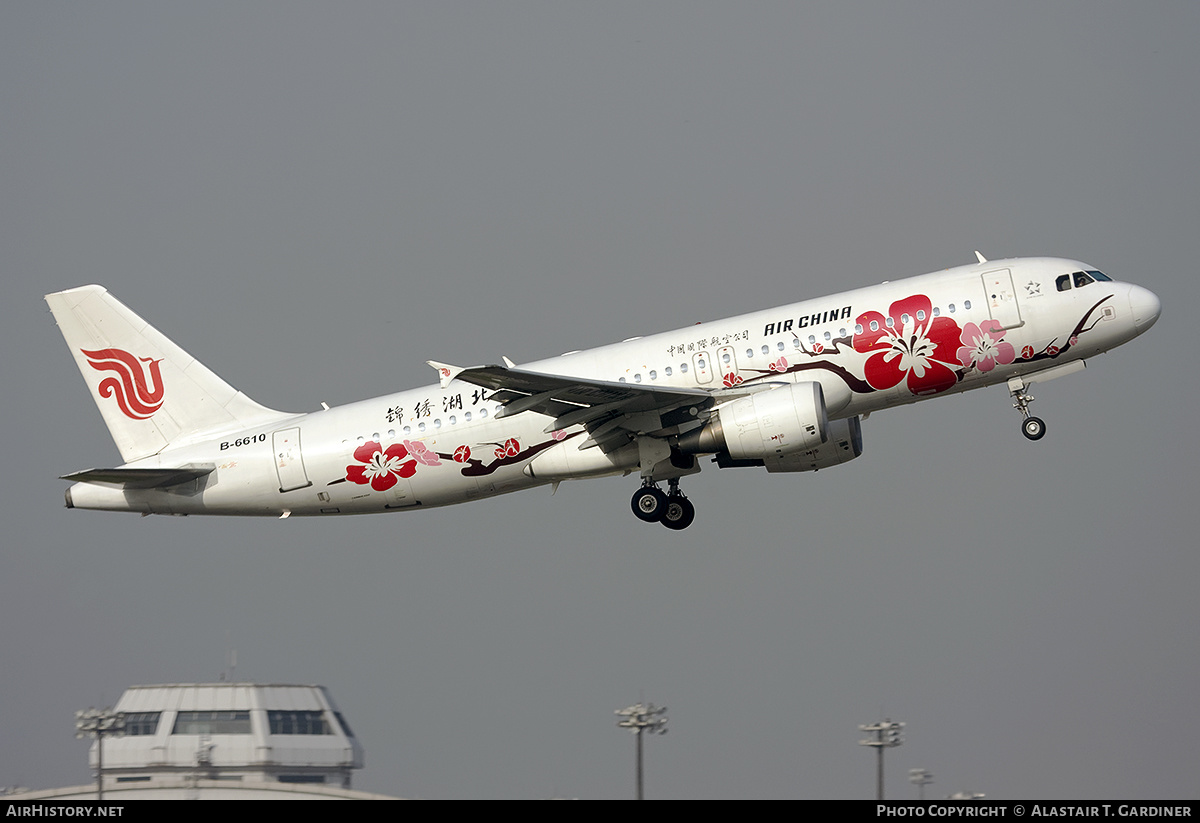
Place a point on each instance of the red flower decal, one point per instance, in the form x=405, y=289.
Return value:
x=381, y=468
x=510, y=448
x=462, y=454
x=421, y=453
x=1052, y=350
x=985, y=346
x=916, y=347
x=559, y=434
x=780, y=365
x=1027, y=352
x=818, y=348
x=731, y=380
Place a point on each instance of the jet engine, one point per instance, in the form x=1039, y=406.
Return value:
x=783, y=429
x=768, y=424
x=844, y=444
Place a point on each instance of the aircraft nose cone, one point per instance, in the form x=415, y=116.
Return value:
x=1145, y=306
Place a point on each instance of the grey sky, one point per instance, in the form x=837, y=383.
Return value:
x=314, y=199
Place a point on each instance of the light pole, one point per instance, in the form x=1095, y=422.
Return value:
x=920, y=778
x=99, y=723
x=638, y=719
x=887, y=735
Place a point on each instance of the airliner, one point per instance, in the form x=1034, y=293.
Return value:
x=785, y=389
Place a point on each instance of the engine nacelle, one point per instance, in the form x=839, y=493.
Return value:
x=768, y=424
x=844, y=444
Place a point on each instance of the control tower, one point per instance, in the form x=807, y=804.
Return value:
x=225, y=741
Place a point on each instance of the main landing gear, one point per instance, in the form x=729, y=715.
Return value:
x=671, y=509
x=1032, y=427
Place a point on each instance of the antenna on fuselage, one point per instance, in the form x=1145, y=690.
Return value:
x=982, y=259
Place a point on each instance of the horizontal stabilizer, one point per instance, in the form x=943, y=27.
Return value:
x=140, y=478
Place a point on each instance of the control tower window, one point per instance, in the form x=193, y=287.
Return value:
x=291, y=722
x=212, y=723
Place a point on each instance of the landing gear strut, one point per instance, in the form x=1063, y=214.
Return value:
x=672, y=509
x=1032, y=427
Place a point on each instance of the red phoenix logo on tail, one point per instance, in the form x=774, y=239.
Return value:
x=134, y=394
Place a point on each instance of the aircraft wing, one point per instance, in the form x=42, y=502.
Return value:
x=607, y=409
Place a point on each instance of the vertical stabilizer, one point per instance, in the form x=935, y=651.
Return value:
x=151, y=392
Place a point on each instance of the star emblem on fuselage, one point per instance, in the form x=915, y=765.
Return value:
x=1033, y=287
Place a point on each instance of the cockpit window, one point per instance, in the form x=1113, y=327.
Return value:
x=1101, y=276
x=1063, y=282
x=1082, y=278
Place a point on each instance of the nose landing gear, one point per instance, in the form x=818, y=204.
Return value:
x=1034, y=428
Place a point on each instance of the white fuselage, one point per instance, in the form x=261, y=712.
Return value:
x=317, y=463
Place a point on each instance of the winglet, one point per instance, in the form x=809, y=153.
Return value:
x=982, y=259
x=445, y=371
x=508, y=362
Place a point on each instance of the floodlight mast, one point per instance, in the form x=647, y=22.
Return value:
x=641, y=718
x=887, y=735
x=99, y=723
x=920, y=778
